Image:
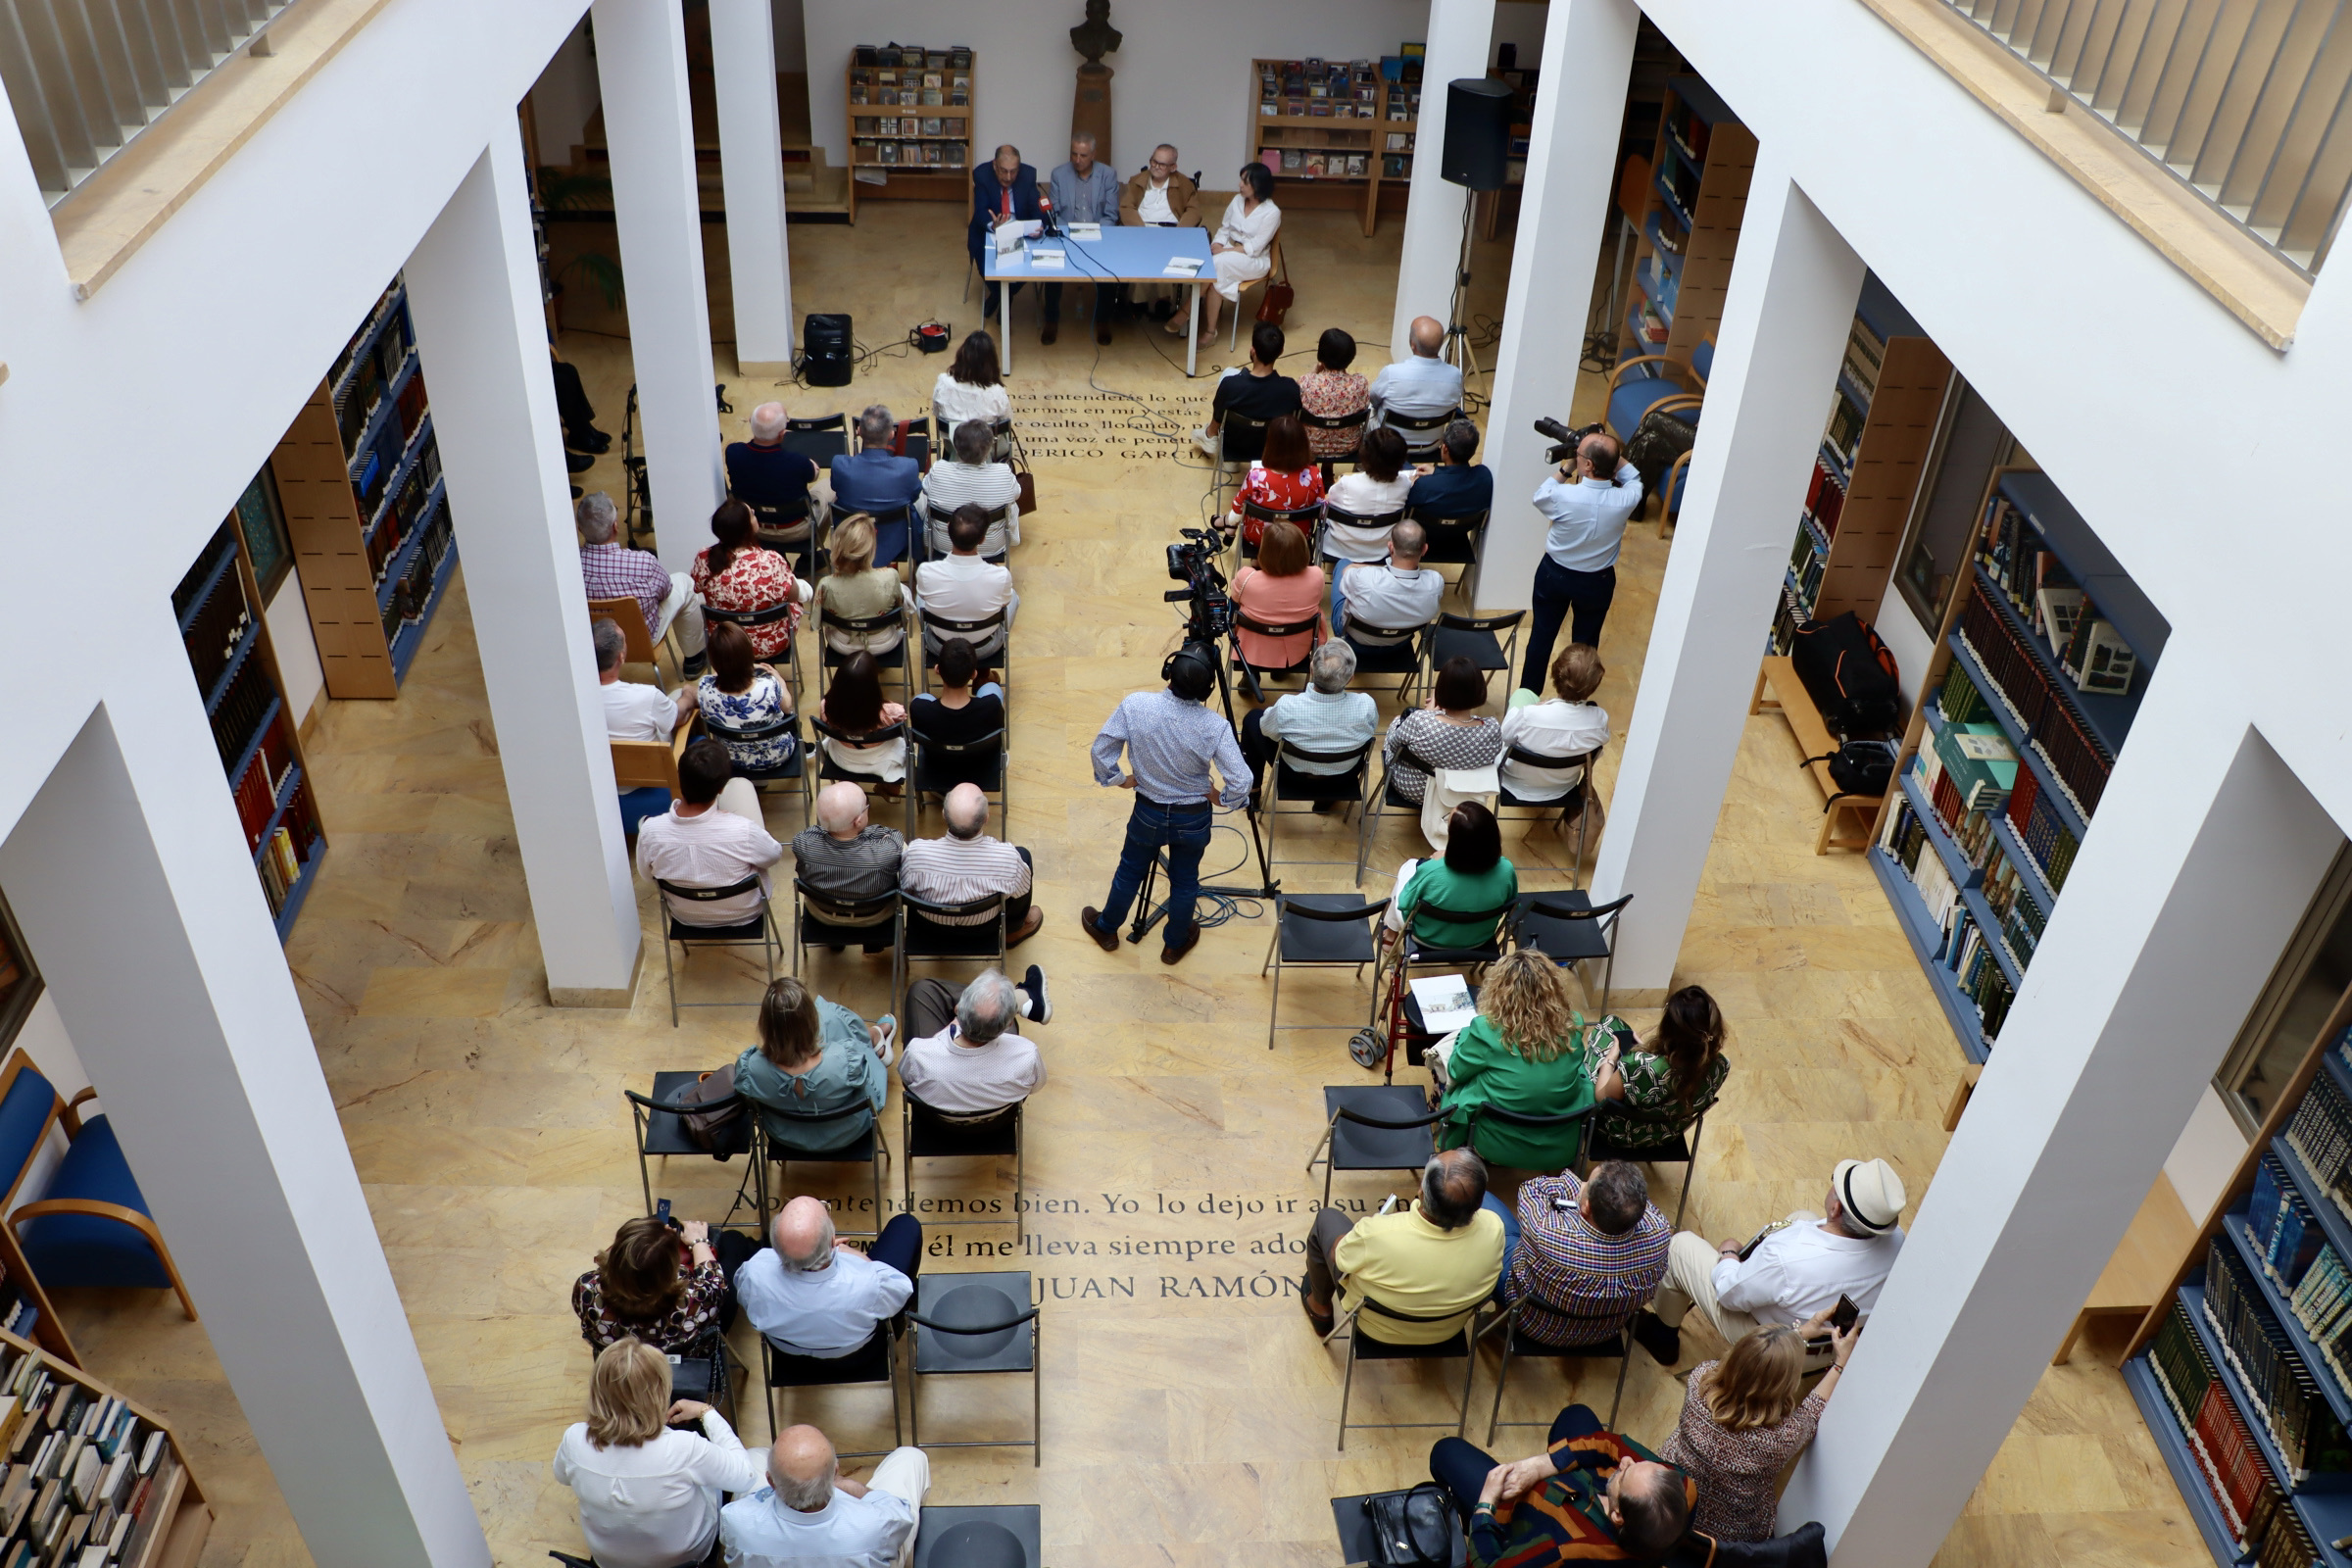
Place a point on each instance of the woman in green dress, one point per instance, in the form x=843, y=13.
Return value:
x=1519, y=1053
x=1651, y=1090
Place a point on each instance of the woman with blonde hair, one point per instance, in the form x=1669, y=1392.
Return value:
x=1520, y=1054
x=1745, y=1417
x=648, y=1492
x=856, y=589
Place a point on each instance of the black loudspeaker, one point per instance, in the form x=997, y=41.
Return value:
x=826, y=355
x=1478, y=132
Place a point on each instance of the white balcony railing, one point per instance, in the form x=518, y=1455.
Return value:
x=2249, y=102
x=85, y=76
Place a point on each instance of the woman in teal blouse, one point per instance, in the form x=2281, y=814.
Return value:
x=815, y=1057
x=1520, y=1054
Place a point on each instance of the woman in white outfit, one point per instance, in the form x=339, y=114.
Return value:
x=1239, y=248
x=649, y=1494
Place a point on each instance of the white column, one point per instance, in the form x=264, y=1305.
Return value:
x=1461, y=33
x=641, y=68
x=751, y=154
x=474, y=290
x=1784, y=322
x=129, y=875
x=2190, y=881
x=1563, y=213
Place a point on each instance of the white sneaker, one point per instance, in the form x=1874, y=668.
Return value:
x=1206, y=442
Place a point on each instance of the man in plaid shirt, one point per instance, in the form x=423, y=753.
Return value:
x=1580, y=1258
x=612, y=571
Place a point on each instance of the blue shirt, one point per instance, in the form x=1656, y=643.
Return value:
x=1451, y=491
x=1321, y=721
x=1416, y=388
x=770, y=476
x=848, y=1532
x=1093, y=198
x=873, y=481
x=1588, y=517
x=1170, y=740
x=825, y=1312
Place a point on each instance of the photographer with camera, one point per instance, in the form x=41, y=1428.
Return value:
x=1588, y=499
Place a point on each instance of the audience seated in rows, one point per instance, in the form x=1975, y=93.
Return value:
x=810, y=1293
x=971, y=387
x=1797, y=1267
x=1256, y=391
x=846, y=856
x=966, y=863
x=1649, y=1091
x=814, y=1058
x=1456, y=487
x=972, y=477
x=954, y=714
x=1524, y=1052
x=812, y=1515
x=1746, y=1418
x=1284, y=587
x=878, y=481
x=742, y=693
x=1435, y=1258
x=713, y=837
x=1470, y=876
x=854, y=704
x=1379, y=604
x=1376, y=489
x=612, y=571
x=962, y=585
x=856, y=589
x=1422, y=386
x=1325, y=717
x=769, y=477
x=1447, y=733
x=648, y=1492
x=1332, y=391
x=1582, y=1257
x=1592, y=1496
x=963, y=1057
x=744, y=577
x=1285, y=477
x=1570, y=724
x=635, y=711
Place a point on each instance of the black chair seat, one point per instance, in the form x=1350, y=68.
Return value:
x=947, y=1303
x=1599, y=1146
x=1310, y=941
x=666, y=1130
x=1523, y=1345
x=873, y=938
x=1504, y=797
x=750, y=931
x=1562, y=940
x=996, y=1535
x=1357, y=1146
x=1386, y=659
x=928, y=939
x=858, y=1150
x=1292, y=785
x=1371, y=1347
x=1482, y=648
x=939, y=1137
x=935, y=774
x=870, y=1362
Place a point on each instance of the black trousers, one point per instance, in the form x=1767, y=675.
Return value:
x=1108, y=297
x=1560, y=594
x=1329, y=1227
x=1461, y=1467
x=573, y=406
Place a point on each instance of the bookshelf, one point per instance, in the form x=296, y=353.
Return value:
x=227, y=635
x=925, y=154
x=2240, y=1370
x=360, y=480
x=1361, y=115
x=1874, y=449
x=152, y=1513
x=1689, y=224
x=2017, y=728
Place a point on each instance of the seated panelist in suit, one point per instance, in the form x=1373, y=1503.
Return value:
x=1005, y=188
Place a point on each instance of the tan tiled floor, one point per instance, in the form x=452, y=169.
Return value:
x=1189, y=1412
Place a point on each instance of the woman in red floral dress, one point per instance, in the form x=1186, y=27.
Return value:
x=1285, y=478
x=738, y=576
x=1332, y=391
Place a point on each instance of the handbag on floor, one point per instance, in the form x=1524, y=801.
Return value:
x=1279, y=296
x=1411, y=1529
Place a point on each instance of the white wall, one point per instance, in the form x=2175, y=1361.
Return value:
x=297, y=650
x=1911, y=643
x=563, y=98
x=1183, y=71
x=2202, y=1162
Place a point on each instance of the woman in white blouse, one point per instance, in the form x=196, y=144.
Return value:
x=971, y=388
x=649, y=1495
x=1238, y=250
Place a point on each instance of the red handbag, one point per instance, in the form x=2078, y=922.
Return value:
x=1279, y=296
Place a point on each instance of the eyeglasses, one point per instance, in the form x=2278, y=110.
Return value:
x=1168, y=164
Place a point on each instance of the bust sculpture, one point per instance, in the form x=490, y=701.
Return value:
x=1096, y=38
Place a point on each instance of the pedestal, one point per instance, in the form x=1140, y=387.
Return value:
x=1090, y=109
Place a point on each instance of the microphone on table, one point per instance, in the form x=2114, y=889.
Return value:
x=1045, y=210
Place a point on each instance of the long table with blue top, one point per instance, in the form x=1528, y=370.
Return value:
x=1123, y=254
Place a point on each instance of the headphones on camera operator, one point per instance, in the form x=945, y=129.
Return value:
x=1191, y=671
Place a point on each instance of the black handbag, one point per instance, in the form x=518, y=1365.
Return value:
x=1661, y=437
x=1858, y=767
x=1411, y=1529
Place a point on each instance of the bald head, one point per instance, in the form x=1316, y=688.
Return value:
x=804, y=1236
x=841, y=810
x=1428, y=337
x=1650, y=1506
x=967, y=810
x=1409, y=542
x=800, y=1467
x=767, y=422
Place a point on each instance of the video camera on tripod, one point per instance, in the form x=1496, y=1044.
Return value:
x=1564, y=440
x=1193, y=562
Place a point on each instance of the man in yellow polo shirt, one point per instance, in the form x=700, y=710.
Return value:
x=1436, y=1260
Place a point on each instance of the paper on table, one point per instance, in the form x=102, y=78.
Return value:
x=1046, y=260
x=1187, y=273
x=1085, y=231
x=1013, y=231
x=1445, y=1003
x=1184, y=263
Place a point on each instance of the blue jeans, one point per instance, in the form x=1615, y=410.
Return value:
x=1461, y=1467
x=1510, y=1240
x=1183, y=830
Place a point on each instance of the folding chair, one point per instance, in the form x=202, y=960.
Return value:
x=1240, y=441
x=1345, y=421
x=937, y=518
x=821, y=440
x=1354, y=519
x=1245, y=673
x=1409, y=952
x=926, y=937
x=1456, y=541
x=869, y=1149
x=973, y=1323
x=1367, y=1347
x=1422, y=436
x=1569, y=929
x=1514, y=1344
x=830, y=769
x=793, y=775
x=1569, y=1147
x=904, y=520
x=1407, y=656
x=830, y=658
x=1374, y=1127
x=1308, y=518
x=637, y=640
x=940, y=765
x=1573, y=800
x=914, y=441
x=1476, y=638
x=1683, y=1151
x=822, y=920
x=927, y=1133
x=930, y=624
x=662, y=1128
x=1319, y=931
x=1386, y=798
x=875, y=1362
x=787, y=533
x=1344, y=788
x=758, y=932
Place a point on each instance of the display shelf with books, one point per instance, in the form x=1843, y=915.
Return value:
x=910, y=119
x=88, y=1478
x=1339, y=124
x=359, y=473
x=1688, y=226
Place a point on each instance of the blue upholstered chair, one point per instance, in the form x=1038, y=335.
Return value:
x=90, y=1226
x=1676, y=387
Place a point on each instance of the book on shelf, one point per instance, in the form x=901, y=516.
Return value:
x=2282, y=1391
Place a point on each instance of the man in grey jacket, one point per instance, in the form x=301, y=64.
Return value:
x=1084, y=191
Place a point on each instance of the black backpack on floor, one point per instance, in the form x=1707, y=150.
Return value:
x=1850, y=676
x=1858, y=767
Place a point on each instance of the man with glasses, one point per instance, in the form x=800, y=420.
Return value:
x=1160, y=198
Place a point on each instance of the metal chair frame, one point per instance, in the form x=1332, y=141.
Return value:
x=1684, y=1154
x=933, y=514
x=1245, y=673
x=1604, y=916
x=1456, y=541
x=1422, y=435
x=1035, y=1442
x=829, y=769
x=1377, y=803
x=1505, y=801
x=1341, y=1113
x=1008, y=1116
x=1360, y=519
x=1408, y=952
x=1415, y=639
x=830, y=658
x=821, y=439
x=1463, y=1343
x=1359, y=773
x=768, y=941
x=992, y=742
x=941, y=626
x=1229, y=466
x=887, y=1332
x=643, y=1108
x=1307, y=908
x=769, y=1151
x=809, y=903
x=1622, y=1346
x=1461, y=628
x=1355, y=421
x=748, y=618
x=907, y=955
x=1308, y=517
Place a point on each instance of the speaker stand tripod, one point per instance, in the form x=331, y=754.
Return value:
x=1458, y=351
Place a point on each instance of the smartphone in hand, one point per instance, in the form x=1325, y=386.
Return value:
x=662, y=1212
x=1845, y=1314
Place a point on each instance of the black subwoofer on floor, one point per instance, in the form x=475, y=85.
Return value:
x=826, y=355
x=1478, y=132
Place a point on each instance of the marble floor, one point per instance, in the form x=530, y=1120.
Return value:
x=1189, y=1412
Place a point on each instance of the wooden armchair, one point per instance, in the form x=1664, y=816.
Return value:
x=630, y=616
x=652, y=764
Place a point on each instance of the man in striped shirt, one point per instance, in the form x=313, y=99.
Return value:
x=1580, y=1258
x=967, y=864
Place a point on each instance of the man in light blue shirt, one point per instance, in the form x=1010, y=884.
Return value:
x=1588, y=502
x=1325, y=717
x=812, y=1294
x=1422, y=386
x=1084, y=191
x=811, y=1516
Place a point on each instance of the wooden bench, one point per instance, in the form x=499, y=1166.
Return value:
x=1792, y=702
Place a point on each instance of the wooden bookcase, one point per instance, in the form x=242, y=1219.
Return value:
x=932, y=162
x=1688, y=229
x=186, y=1519
x=1365, y=117
x=360, y=480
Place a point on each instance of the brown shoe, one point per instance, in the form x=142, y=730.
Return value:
x=1091, y=918
x=1052, y=331
x=1174, y=952
x=1029, y=928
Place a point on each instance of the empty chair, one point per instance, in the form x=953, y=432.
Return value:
x=1478, y=639
x=1364, y=1345
x=1383, y=1127
x=1569, y=929
x=1337, y=778
x=979, y=1323
x=1319, y=931
x=1516, y=1345
x=931, y=1134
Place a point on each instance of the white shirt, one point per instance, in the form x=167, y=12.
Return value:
x=1152, y=206
x=1796, y=1272
x=1553, y=728
x=1253, y=231
x=715, y=849
x=1376, y=596
x=1419, y=387
x=956, y=402
x=1366, y=497
x=636, y=712
x=829, y=1311
x=655, y=1505
x=966, y=588
x=963, y=1080
x=846, y=1533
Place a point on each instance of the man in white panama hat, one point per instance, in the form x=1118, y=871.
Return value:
x=1793, y=1271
